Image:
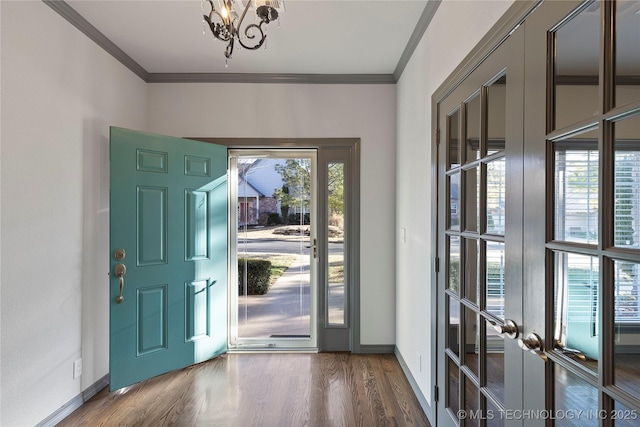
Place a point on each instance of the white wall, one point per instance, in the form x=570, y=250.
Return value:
x=452, y=34
x=309, y=111
x=60, y=93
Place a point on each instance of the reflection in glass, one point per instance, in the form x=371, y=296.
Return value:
x=573, y=394
x=473, y=128
x=453, y=282
x=576, y=189
x=454, y=201
x=453, y=376
x=576, y=67
x=336, y=271
x=453, y=325
x=495, y=269
x=495, y=362
x=471, y=402
x=627, y=51
x=496, y=195
x=626, y=225
x=496, y=115
x=493, y=415
x=471, y=340
x=453, y=122
x=472, y=270
x=576, y=318
x=625, y=416
x=472, y=201
x=627, y=322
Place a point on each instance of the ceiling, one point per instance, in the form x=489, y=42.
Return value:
x=311, y=37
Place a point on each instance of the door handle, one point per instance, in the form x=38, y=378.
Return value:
x=533, y=343
x=510, y=329
x=120, y=270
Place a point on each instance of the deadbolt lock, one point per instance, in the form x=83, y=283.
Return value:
x=119, y=254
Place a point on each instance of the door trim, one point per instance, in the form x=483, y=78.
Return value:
x=352, y=234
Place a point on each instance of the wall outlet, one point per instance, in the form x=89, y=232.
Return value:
x=419, y=362
x=77, y=368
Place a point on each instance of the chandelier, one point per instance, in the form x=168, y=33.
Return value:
x=226, y=20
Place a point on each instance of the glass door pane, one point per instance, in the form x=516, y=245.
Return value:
x=336, y=283
x=276, y=247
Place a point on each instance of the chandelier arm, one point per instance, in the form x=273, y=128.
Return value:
x=250, y=36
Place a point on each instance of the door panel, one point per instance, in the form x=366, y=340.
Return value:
x=480, y=241
x=587, y=120
x=168, y=214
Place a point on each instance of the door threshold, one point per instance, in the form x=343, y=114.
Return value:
x=272, y=350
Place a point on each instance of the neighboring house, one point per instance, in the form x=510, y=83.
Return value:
x=257, y=181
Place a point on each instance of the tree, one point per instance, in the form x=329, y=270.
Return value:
x=296, y=190
x=336, y=188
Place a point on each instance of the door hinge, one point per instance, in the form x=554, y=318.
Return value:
x=438, y=136
x=437, y=262
x=436, y=393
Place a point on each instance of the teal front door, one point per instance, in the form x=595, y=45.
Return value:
x=168, y=254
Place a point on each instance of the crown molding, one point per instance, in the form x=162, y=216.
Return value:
x=270, y=78
x=421, y=27
x=78, y=21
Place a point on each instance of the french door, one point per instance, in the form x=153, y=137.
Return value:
x=539, y=212
x=480, y=240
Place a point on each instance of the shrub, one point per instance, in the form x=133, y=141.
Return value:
x=269, y=218
x=274, y=219
x=259, y=271
x=295, y=218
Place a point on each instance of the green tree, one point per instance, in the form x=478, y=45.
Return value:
x=336, y=188
x=296, y=190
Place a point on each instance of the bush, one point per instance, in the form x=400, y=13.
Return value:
x=274, y=219
x=259, y=272
x=269, y=218
x=295, y=218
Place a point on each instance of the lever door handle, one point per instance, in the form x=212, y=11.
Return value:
x=120, y=270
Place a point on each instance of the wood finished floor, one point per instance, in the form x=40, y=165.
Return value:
x=275, y=390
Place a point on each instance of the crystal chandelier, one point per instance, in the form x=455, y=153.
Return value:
x=226, y=20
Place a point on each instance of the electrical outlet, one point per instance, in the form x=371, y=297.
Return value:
x=419, y=362
x=77, y=368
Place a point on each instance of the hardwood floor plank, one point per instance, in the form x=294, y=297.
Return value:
x=263, y=389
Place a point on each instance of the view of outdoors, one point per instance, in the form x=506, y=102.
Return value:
x=275, y=248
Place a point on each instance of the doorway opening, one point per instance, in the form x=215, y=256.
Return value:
x=274, y=249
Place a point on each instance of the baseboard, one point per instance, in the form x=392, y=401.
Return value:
x=65, y=410
x=377, y=349
x=414, y=386
x=94, y=388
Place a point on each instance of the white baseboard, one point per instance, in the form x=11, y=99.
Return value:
x=65, y=410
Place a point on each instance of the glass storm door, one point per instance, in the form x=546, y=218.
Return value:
x=480, y=183
x=273, y=296
x=168, y=238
